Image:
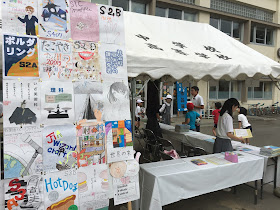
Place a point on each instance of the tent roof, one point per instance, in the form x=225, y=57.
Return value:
x=158, y=46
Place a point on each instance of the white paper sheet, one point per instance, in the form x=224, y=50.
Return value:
x=57, y=100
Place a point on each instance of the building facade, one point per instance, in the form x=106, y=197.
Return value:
x=256, y=23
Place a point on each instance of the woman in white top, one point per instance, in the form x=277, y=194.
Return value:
x=243, y=121
x=225, y=127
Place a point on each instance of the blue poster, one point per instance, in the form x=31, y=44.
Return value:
x=182, y=97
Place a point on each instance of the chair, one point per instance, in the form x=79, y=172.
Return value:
x=191, y=151
x=167, y=145
x=199, y=151
x=152, y=146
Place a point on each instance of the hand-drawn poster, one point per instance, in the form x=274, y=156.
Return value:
x=116, y=105
x=86, y=61
x=24, y=193
x=111, y=24
x=84, y=21
x=113, y=61
x=61, y=190
x=20, y=55
x=54, y=19
x=59, y=148
x=90, y=143
x=22, y=152
x=93, y=187
x=57, y=103
x=21, y=103
x=55, y=59
x=119, y=141
x=89, y=101
x=20, y=17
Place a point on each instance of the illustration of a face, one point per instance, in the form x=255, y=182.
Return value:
x=118, y=169
x=29, y=11
x=120, y=95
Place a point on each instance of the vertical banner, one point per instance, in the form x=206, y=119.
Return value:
x=182, y=97
x=84, y=21
x=20, y=17
x=54, y=19
x=20, y=55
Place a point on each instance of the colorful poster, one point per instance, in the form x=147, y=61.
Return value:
x=113, y=61
x=84, y=21
x=89, y=101
x=57, y=103
x=86, y=61
x=182, y=97
x=54, y=19
x=20, y=17
x=55, y=59
x=116, y=105
x=59, y=148
x=90, y=143
x=93, y=187
x=21, y=103
x=111, y=25
x=24, y=193
x=22, y=152
x=20, y=56
x=119, y=141
x=61, y=190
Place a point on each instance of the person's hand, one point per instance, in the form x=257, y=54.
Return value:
x=242, y=140
x=16, y=16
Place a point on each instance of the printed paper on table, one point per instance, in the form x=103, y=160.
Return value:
x=20, y=56
x=86, y=61
x=20, y=17
x=84, y=21
x=57, y=103
x=24, y=193
x=22, y=151
x=55, y=59
x=93, y=187
x=61, y=189
x=54, y=19
x=245, y=133
x=111, y=25
x=21, y=103
x=119, y=141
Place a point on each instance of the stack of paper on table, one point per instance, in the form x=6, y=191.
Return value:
x=270, y=150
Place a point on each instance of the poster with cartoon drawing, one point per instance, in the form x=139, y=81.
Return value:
x=84, y=21
x=54, y=19
x=90, y=143
x=111, y=25
x=24, y=193
x=20, y=17
x=89, y=101
x=21, y=103
x=61, y=190
x=59, y=148
x=93, y=187
x=113, y=61
x=55, y=59
x=119, y=140
x=57, y=103
x=22, y=152
x=86, y=61
x=20, y=55
x=116, y=105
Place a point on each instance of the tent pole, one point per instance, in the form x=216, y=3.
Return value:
x=133, y=94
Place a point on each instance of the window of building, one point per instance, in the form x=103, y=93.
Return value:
x=264, y=91
x=190, y=16
x=225, y=89
x=262, y=35
x=121, y=3
x=176, y=14
x=138, y=7
x=106, y=2
x=230, y=28
x=160, y=12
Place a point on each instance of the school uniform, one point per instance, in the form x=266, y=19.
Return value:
x=166, y=113
x=244, y=122
x=137, y=111
x=197, y=101
x=30, y=24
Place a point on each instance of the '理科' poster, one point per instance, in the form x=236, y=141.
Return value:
x=20, y=55
x=21, y=103
x=55, y=59
x=57, y=103
x=84, y=21
x=20, y=17
x=54, y=19
x=59, y=148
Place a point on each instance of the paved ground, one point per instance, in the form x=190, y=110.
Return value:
x=265, y=132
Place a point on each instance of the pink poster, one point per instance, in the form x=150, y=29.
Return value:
x=84, y=21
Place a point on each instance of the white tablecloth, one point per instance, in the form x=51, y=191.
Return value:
x=166, y=182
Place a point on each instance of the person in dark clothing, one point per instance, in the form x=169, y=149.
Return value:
x=29, y=20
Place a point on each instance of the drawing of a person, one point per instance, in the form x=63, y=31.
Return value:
x=23, y=115
x=30, y=20
x=118, y=92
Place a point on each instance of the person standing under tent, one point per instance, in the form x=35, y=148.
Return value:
x=198, y=103
x=165, y=110
x=216, y=114
x=225, y=127
x=243, y=121
x=138, y=112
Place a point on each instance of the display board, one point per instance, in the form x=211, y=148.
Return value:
x=182, y=97
x=67, y=124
